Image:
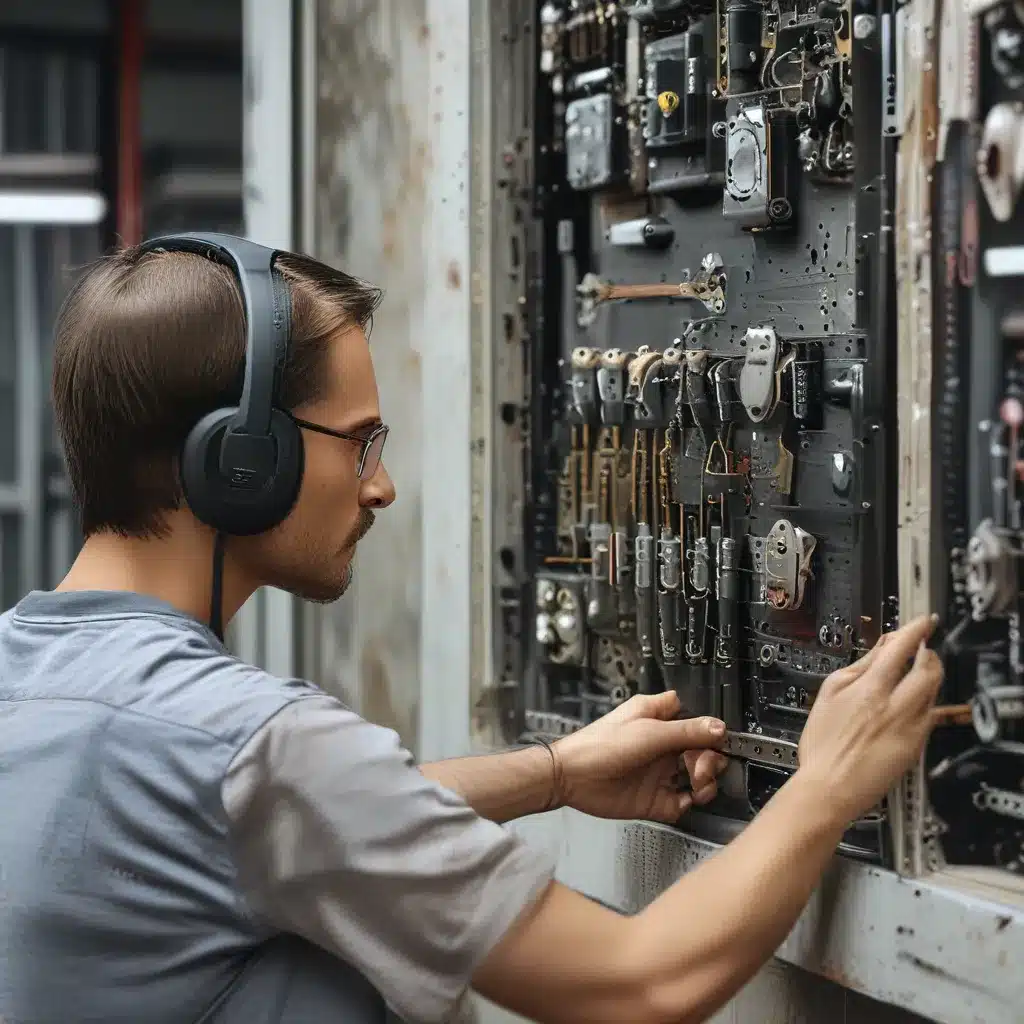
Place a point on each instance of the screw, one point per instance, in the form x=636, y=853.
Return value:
x=863, y=26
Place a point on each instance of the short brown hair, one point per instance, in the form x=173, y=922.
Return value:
x=148, y=343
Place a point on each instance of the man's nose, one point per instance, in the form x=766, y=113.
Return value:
x=379, y=490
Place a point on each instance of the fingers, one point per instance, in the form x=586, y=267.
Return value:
x=703, y=767
x=919, y=688
x=844, y=676
x=663, y=706
x=682, y=734
x=668, y=806
x=705, y=795
x=891, y=663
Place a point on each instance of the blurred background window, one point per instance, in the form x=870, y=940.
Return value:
x=119, y=120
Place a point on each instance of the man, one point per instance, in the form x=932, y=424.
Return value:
x=187, y=838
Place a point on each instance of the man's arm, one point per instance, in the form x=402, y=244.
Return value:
x=339, y=839
x=695, y=946
x=571, y=959
x=503, y=786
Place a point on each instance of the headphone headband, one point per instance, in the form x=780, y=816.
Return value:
x=266, y=315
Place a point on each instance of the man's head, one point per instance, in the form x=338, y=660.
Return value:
x=148, y=343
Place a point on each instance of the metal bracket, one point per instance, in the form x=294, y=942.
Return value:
x=746, y=746
x=1000, y=801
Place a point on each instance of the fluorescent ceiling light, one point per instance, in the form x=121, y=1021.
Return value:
x=63, y=208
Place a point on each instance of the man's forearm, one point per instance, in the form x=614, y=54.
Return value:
x=690, y=950
x=503, y=786
x=741, y=903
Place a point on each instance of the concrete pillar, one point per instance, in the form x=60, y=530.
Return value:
x=372, y=167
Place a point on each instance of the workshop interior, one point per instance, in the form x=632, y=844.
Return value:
x=752, y=350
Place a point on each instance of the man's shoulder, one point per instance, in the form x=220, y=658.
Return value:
x=144, y=660
x=201, y=685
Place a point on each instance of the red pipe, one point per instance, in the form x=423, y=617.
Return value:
x=129, y=126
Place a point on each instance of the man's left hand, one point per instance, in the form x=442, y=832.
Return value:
x=628, y=763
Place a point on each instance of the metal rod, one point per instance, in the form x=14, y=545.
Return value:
x=29, y=403
x=129, y=144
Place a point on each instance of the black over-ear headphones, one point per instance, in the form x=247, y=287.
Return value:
x=241, y=466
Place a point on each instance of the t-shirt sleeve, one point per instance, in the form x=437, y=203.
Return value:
x=340, y=839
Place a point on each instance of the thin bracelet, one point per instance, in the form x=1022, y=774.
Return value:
x=556, y=772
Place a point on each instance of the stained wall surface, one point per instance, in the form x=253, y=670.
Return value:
x=371, y=164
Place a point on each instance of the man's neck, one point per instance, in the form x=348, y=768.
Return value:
x=177, y=569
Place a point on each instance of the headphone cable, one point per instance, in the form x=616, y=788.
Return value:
x=217, y=588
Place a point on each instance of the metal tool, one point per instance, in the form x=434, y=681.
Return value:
x=748, y=746
x=706, y=286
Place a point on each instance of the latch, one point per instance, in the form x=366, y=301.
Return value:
x=787, y=564
x=759, y=381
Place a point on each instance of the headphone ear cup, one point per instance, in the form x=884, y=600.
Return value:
x=291, y=464
x=236, y=511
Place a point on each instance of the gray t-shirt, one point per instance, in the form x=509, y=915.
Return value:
x=187, y=838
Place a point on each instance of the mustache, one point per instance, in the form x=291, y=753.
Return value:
x=366, y=521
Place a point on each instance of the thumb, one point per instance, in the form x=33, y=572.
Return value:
x=683, y=734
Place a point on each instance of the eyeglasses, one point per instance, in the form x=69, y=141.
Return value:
x=372, y=444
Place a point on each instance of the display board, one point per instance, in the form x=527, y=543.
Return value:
x=748, y=234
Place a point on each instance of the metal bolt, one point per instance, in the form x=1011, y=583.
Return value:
x=863, y=26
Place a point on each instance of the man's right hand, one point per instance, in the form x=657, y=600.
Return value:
x=870, y=720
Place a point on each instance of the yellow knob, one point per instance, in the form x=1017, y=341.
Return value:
x=668, y=101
